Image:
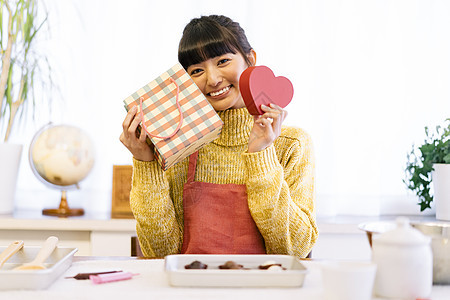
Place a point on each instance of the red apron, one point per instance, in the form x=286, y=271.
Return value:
x=217, y=219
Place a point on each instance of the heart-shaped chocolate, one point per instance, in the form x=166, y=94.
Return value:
x=258, y=85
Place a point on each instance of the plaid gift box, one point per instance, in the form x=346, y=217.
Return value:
x=176, y=116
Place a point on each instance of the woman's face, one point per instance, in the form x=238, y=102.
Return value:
x=218, y=79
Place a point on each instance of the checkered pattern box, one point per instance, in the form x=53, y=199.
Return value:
x=176, y=129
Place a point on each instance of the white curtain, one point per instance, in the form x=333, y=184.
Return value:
x=368, y=76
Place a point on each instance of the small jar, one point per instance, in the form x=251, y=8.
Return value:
x=404, y=262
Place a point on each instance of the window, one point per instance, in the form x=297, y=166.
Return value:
x=368, y=76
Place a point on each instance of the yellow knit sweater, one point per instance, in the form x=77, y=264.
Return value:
x=279, y=180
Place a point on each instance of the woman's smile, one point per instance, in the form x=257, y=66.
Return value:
x=220, y=93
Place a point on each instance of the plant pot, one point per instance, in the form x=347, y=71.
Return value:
x=10, y=155
x=441, y=184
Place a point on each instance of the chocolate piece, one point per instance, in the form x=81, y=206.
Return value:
x=196, y=265
x=267, y=266
x=231, y=265
x=276, y=268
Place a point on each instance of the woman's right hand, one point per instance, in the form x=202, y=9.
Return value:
x=135, y=142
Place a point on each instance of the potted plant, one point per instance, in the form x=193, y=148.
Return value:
x=21, y=68
x=430, y=163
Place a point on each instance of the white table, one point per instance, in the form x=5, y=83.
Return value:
x=152, y=284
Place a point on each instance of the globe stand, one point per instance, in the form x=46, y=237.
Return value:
x=63, y=210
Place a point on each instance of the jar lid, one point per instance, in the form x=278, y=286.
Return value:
x=403, y=234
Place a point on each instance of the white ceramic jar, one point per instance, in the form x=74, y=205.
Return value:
x=404, y=263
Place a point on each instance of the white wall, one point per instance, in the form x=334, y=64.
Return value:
x=368, y=76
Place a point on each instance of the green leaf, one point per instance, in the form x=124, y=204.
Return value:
x=447, y=159
x=9, y=87
x=424, y=206
x=426, y=149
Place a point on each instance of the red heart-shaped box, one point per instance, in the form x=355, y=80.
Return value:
x=258, y=85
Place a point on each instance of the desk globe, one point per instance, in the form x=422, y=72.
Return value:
x=61, y=156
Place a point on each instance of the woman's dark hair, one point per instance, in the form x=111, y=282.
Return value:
x=210, y=36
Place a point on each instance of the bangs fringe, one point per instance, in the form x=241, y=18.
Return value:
x=203, y=52
x=203, y=40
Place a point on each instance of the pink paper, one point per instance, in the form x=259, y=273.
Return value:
x=103, y=278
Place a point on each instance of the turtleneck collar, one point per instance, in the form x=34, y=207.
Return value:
x=237, y=124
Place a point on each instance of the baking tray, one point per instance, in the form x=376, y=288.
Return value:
x=293, y=276
x=57, y=263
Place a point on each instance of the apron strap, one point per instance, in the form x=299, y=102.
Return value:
x=192, y=166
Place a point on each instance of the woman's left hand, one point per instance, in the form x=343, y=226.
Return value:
x=266, y=128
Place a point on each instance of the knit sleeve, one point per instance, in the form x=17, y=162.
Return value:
x=280, y=187
x=156, y=226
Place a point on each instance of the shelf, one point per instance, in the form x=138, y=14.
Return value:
x=92, y=234
x=34, y=220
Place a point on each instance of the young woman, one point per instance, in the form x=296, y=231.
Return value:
x=249, y=191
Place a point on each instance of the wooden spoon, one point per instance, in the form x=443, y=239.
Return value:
x=10, y=251
x=44, y=253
